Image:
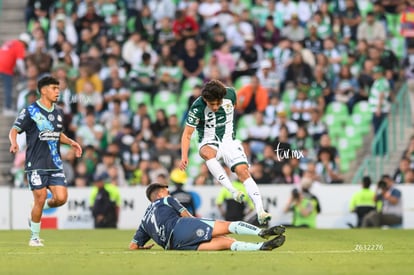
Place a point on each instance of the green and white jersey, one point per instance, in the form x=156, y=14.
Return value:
x=213, y=127
x=379, y=86
x=259, y=13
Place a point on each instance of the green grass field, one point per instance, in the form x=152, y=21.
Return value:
x=305, y=252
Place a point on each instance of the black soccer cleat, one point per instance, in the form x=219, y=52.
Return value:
x=273, y=243
x=272, y=231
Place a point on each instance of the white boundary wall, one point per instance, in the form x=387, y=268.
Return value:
x=75, y=214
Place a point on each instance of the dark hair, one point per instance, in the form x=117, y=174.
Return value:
x=382, y=185
x=45, y=81
x=366, y=182
x=146, y=56
x=152, y=188
x=385, y=177
x=213, y=90
x=295, y=194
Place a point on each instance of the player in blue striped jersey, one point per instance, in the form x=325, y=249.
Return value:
x=42, y=122
x=171, y=226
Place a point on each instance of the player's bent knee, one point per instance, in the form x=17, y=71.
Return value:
x=61, y=201
x=242, y=172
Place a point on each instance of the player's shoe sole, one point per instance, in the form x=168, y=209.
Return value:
x=272, y=231
x=264, y=218
x=273, y=243
x=239, y=196
x=36, y=242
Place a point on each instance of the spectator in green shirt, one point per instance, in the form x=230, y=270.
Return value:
x=232, y=210
x=303, y=208
x=362, y=201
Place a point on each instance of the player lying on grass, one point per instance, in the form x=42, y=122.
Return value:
x=171, y=226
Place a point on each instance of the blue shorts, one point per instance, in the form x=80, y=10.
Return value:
x=39, y=179
x=189, y=233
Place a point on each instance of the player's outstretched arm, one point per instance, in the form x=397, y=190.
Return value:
x=134, y=246
x=185, y=146
x=76, y=146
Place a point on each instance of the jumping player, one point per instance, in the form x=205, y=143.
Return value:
x=212, y=115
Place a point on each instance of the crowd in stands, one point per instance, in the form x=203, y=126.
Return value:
x=129, y=70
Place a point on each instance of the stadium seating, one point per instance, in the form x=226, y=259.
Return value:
x=189, y=83
x=166, y=100
x=241, y=81
x=353, y=135
x=335, y=126
x=347, y=154
x=339, y=110
x=362, y=108
x=243, y=125
x=361, y=125
x=141, y=97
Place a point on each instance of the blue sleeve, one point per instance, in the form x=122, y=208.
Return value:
x=23, y=121
x=174, y=203
x=141, y=237
x=396, y=193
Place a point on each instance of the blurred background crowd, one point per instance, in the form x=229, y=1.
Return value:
x=304, y=72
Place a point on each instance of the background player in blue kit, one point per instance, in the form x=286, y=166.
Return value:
x=171, y=226
x=43, y=123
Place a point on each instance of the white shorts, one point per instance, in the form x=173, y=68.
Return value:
x=231, y=151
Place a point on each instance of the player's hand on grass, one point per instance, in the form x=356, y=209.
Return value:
x=14, y=148
x=134, y=246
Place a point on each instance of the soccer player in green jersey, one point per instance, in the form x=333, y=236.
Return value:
x=212, y=116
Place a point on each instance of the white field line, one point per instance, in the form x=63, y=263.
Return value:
x=213, y=252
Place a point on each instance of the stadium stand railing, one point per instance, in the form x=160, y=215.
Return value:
x=395, y=128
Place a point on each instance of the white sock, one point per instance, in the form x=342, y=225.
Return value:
x=219, y=174
x=244, y=228
x=46, y=206
x=35, y=228
x=244, y=246
x=254, y=194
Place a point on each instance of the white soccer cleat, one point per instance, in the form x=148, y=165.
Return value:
x=264, y=218
x=36, y=242
x=238, y=196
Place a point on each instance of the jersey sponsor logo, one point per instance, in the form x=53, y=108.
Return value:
x=210, y=120
x=59, y=125
x=192, y=118
x=58, y=175
x=35, y=179
x=49, y=135
x=51, y=117
x=228, y=108
x=59, y=118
